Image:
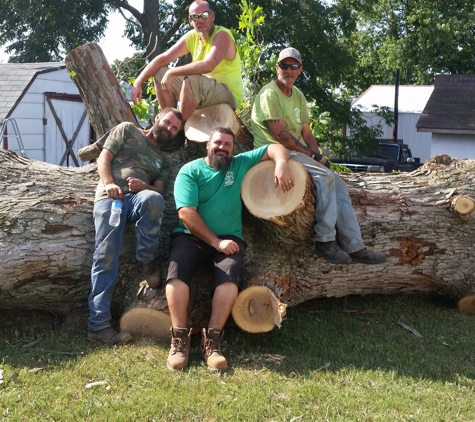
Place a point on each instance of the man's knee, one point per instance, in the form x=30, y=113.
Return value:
x=154, y=200
x=175, y=288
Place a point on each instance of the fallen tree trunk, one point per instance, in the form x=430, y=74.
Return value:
x=47, y=238
x=422, y=220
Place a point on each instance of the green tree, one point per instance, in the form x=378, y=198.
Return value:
x=41, y=31
x=45, y=30
x=421, y=38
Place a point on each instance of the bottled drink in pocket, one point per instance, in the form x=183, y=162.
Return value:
x=116, y=209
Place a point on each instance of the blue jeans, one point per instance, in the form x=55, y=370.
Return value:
x=332, y=206
x=145, y=209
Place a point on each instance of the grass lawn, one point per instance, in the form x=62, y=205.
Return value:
x=345, y=359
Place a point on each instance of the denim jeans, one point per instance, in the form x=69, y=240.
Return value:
x=145, y=209
x=332, y=206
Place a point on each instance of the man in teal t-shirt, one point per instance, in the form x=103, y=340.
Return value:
x=207, y=196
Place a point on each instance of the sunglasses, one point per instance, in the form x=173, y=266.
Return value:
x=293, y=66
x=204, y=15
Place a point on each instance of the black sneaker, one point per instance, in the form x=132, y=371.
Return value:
x=108, y=336
x=332, y=253
x=151, y=273
x=365, y=256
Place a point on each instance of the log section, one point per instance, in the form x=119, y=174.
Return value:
x=47, y=237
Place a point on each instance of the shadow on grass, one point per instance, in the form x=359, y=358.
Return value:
x=318, y=335
x=364, y=333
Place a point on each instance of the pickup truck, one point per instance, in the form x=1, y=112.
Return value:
x=388, y=157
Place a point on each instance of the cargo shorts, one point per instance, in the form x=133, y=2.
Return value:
x=206, y=90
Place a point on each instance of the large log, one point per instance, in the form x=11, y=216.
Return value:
x=47, y=236
x=423, y=221
x=105, y=103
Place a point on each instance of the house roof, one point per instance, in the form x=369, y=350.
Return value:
x=15, y=79
x=411, y=99
x=451, y=107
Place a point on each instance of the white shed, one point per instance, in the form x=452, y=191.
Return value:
x=411, y=102
x=41, y=113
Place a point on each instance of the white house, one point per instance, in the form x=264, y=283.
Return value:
x=449, y=116
x=41, y=113
x=412, y=100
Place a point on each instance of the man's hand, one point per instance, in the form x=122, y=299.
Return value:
x=227, y=246
x=283, y=176
x=113, y=191
x=135, y=94
x=136, y=185
x=166, y=81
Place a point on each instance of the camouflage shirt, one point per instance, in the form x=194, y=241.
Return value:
x=134, y=156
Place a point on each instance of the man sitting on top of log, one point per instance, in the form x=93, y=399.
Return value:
x=280, y=115
x=213, y=77
x=132, y=169
x=207, y=196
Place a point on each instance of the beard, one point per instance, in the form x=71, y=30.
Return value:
x=219, y=162
x=160, y=134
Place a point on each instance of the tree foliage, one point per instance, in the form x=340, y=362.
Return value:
x=346, y=45
x=421, y=38
x=42, y=31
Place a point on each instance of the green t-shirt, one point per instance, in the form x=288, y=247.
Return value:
x=134, y=156
x=272, y=104
x=227, y=72
x=215, y=194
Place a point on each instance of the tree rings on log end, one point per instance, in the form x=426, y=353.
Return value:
x=147, y=322
x=265, y=201
x=201, y=123
x=257, y=310
x=463, y=205
x=467, y=304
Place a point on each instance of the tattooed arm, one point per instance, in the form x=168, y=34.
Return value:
x=281, y=135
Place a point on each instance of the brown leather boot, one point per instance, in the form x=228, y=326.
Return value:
x=180, y=348
x=210, y=349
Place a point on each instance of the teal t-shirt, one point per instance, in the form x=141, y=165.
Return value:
x=215, y=194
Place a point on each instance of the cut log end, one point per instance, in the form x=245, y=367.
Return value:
x=266, y=201
x=467, y=304
x=257, y=310
x=147, y=322
x=463, y=205
x=201, y=123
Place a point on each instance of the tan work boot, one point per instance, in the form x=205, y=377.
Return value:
x=210, y=349
x=179, y=349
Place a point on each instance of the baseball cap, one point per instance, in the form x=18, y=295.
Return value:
x=289, y=52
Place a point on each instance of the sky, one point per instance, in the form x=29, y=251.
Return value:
x=113, y=44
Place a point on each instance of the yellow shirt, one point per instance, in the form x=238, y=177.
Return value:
x=227, y=72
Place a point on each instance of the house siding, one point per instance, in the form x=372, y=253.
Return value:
x=32, y=111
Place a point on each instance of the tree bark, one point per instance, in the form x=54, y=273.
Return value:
x=47, y=239
x=105, y=103
x=422, y=220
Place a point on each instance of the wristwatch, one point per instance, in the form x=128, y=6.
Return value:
x=316, y=157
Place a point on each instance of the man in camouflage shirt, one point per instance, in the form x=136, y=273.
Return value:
x=133, y=169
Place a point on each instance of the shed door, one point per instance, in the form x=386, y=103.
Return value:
x=67, y=129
